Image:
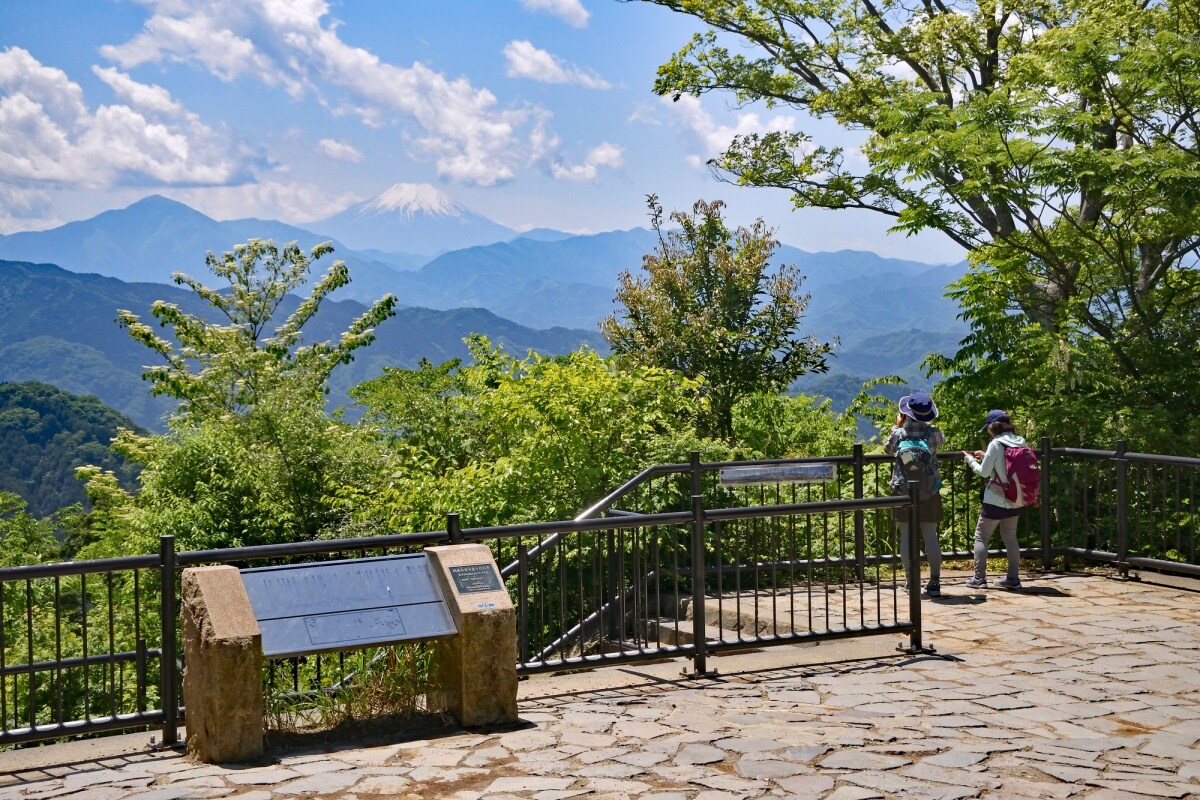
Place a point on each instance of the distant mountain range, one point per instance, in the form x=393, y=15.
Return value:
x=59, y=328
x=543, y=289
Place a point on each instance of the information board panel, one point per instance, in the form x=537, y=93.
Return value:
x=341, y=605
x=783, y=473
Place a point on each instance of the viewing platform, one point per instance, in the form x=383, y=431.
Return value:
x=1077, y=686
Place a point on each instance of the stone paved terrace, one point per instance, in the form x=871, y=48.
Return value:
x=1079, y=686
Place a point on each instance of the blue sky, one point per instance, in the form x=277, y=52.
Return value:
x=534, y=113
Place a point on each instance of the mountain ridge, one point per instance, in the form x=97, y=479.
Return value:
x=93, y=355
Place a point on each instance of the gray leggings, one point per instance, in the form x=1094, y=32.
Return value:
x=933, y=548
x=1008, y=534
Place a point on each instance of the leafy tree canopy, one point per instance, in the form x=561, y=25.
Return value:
x=709, y=309
x=505, y=440
x=1055, y=140
x=252, y=453
x=228, y=367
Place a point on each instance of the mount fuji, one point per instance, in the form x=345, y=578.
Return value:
x=412, y=218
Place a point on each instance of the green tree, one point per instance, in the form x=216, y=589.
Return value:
x=252, y=451
x=1055, y=140
x=23, y=538
x=505, y=440
x=709, y=309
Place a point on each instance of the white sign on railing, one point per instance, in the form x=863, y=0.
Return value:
x=783, y=473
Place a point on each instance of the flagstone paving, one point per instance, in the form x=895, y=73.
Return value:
x=1077, y=687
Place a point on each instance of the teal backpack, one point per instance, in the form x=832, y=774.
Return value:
x=915, y=462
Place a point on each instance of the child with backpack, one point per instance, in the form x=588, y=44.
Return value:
x=1010, y=468
x=915, y=442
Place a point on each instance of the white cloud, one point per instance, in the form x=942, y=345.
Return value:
x=26, y=209
x=290, y=44
x=145, y=96
x=571, y=12
x=604, y=155
x=340, y=151
x=49, y=135
x=527, y=61
x=713, y=138
x=298, y=203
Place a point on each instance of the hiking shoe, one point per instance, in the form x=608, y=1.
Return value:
x=1007, y=583
x=975, y=583
x=933, y=590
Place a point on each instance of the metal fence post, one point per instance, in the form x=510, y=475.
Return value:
x=1122, y=464
x=523, y=607
x=170, y=703
x=699, y=639
x=454, y=528
x=1044, y=508
x=695, y=472
x=860, y=536
x=913, y=561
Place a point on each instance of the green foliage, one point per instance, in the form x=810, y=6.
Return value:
x=515, y=440
x=222, y=369
x=370, y=683
x=251, y=452
x=23, y=538
x=1055, y=141
x=45, y=434
x=708, y=309
x=778, y=426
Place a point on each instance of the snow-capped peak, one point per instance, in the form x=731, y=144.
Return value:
x=410, y=199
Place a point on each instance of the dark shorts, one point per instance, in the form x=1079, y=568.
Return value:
x=930, y=511
x=990, y=511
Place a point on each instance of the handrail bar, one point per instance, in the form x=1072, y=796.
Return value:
x=313, y=547
x=897, y=501
x=61, y=569
x=576, y=526
x=628, y=486
x=1181, y=461
x=71, y=663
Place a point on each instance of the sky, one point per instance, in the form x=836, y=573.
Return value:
x=533, y=113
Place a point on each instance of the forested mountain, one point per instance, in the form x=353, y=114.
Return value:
x=59, y=328
x=45, y=433
x=154, y=237
x=544, y=290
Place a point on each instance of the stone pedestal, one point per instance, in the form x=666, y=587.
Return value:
x=222, y=679
x=477, y=669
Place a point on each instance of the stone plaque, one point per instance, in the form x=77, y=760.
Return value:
x=341, y=605
x=475, y=578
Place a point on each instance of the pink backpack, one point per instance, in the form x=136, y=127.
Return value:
x=1021, y=463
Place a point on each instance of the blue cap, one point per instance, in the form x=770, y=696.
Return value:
x=995, y=415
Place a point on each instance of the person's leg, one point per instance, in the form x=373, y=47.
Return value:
x=933, y=552
x=984, y=529
x=1008, y=534
x=904, y=544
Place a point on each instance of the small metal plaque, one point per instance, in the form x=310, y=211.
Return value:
x=474, y=578
x=784, y=473
x=340, y=605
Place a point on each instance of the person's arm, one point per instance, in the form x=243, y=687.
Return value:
x=993, y=456
x=937, y=439
x=893, y=439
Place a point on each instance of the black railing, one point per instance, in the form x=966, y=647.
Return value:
x=674, y=563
